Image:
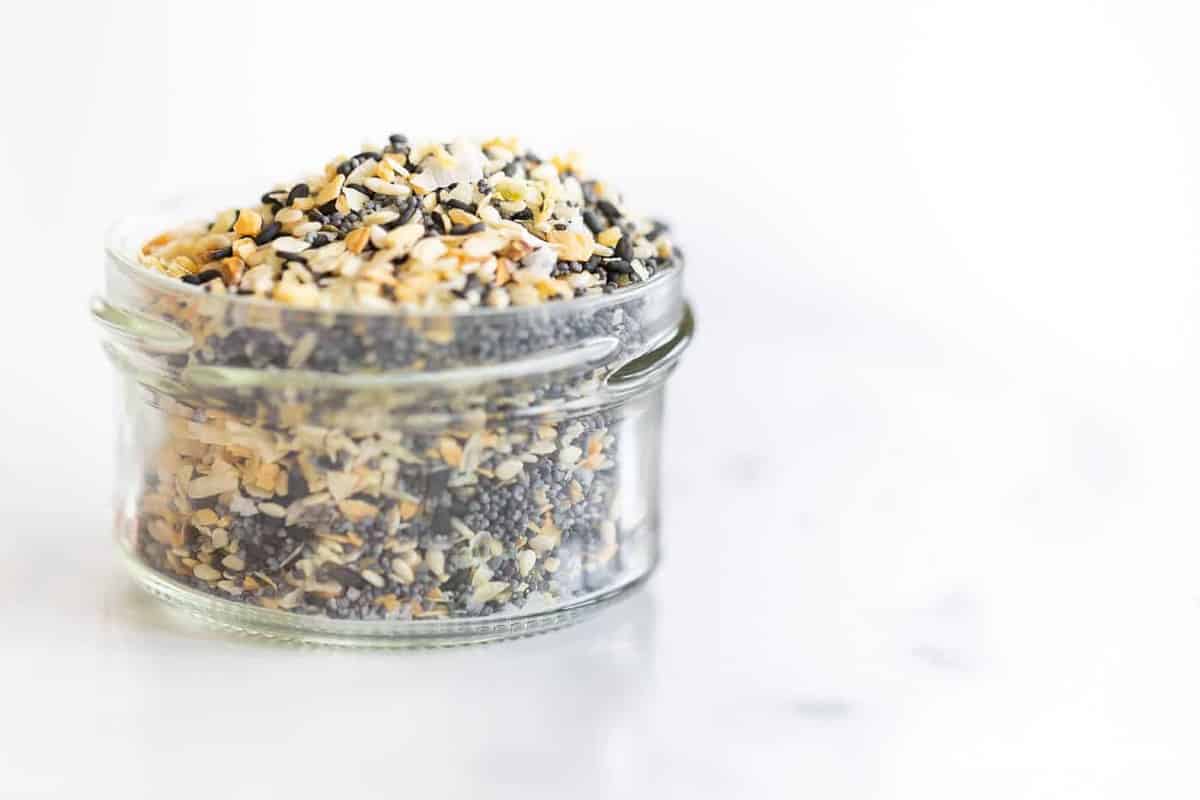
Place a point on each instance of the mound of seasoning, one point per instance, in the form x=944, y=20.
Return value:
x=366, y=505
x=438, y=225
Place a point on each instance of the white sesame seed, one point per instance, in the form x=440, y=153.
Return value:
x=542, y=543
x=380, y=186
x=403, y=572
x=210, y=485
x=487, y=592
x=355, y=199
x=381, y=217
x=436, y=560
x=569, y=455
x=304, y=229
x=288, y=244
x=206, y=573
x=362, y=171
x=509, y=469
x=289, y=216
x=461, y=528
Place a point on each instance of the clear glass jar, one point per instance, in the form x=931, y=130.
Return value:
x=386, y=478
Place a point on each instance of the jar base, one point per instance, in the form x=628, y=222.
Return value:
x=281, y=626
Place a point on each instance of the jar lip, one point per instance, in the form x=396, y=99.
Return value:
x=123, y=253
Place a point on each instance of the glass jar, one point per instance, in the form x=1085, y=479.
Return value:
x=386, y=477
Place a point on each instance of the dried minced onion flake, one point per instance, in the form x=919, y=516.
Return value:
x=541, y=262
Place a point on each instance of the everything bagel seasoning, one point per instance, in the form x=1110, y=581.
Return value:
x=510, y=481
x=430, y=226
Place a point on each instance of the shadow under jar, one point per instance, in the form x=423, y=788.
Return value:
x=386, y=478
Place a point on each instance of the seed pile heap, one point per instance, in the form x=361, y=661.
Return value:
x=284, y=500
x=432, y=226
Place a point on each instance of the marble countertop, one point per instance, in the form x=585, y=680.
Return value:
x=930, y=496
x=888, y=568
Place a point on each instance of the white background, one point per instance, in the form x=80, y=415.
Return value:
x=931, y=498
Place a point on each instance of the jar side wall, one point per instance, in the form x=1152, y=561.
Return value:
x=503, y=520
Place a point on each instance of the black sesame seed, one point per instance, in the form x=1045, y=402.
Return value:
x=619, y=265
x=202, y=277
x=592, y=222
x=217, y=255
x=268, y=234
x=609, y=210
x=410, y=208
x=523, y=214
x=460, y=205
x=624, y=248
x=437, y=222
x=406, y=213
x=298, y=191
x=398, y=138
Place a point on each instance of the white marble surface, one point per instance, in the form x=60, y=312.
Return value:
x=931, y=491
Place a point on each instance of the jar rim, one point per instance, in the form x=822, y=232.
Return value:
x=123, y=254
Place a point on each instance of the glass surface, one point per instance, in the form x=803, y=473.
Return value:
x=381, y=477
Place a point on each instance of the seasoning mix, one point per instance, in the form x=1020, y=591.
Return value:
x=416, y=392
